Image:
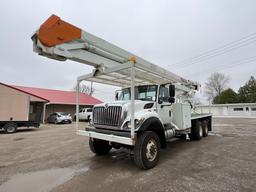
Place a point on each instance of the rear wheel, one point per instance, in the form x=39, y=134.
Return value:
x=99, y=147
x=10, y=127
x=197, y=130
x=146, y=150
x=205, y=128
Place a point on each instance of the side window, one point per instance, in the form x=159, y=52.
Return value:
x=84, y=110
x=89, y=110
x=238, y=109
x=163, y=93
x=126, y=94
x=81, y=110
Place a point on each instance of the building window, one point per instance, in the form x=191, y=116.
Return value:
x=253, y=108
x=238, y=109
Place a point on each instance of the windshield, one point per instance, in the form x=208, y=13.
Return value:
x=143, y=92
x=63, y=113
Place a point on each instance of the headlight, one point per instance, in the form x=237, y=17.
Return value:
x=138, y=122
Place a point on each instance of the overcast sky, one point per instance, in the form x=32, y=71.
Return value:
x=167, y=33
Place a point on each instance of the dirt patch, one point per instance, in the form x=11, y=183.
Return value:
x=224, y=161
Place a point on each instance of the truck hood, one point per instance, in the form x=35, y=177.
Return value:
x=126, y=107
x=138, y=104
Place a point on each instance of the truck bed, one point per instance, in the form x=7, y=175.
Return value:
x=21, y=123
x=200, y=115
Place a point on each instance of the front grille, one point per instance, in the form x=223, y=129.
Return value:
x=110, y=116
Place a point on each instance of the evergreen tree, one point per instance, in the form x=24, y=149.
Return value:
x=247, y=93
x=226, y=96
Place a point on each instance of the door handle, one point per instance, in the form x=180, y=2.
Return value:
x=162, y=106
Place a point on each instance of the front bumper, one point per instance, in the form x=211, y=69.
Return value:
x=112, y=136
x=64, y=120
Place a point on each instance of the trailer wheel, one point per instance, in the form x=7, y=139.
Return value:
x=205, y=128
x=99, y=147
x=197, y=130
x=10, y=127
x=146, y=150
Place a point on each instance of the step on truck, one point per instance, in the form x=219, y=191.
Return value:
x=152, y=106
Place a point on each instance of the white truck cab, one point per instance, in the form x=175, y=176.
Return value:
x=151, y=101
x=84, y=114
x=152, y=106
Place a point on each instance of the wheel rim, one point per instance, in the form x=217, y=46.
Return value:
x=200, y=131
x=151, y=150
x=10, y=129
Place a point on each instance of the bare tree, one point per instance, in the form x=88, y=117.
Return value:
x=83, y=88
x=216, y=83
x=195, y=100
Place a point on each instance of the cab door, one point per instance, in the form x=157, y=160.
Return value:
x=163, y=104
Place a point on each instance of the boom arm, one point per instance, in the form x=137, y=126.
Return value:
x=60, y=40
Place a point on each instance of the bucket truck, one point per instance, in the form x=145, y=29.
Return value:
x=152, y=106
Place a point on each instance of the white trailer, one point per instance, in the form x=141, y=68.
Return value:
x=18, y=109
x=152, y=106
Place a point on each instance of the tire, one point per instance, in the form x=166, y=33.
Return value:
x=205, y=128
x=10, y=128
x=99, y=147
x=197, y=131
x=74, y=118
x=146, y=150
x=88, y=118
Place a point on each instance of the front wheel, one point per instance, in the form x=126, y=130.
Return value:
x=99, y=147
x=55, y=121
x=146, y=150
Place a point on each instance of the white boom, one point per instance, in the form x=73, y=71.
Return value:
x=59, y=40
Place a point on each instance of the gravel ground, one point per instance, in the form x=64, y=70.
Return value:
x=54, y=158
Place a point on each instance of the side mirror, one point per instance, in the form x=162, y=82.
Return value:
x=160, y=101
x=171, y=90
x=171, y=99
x=117, y=94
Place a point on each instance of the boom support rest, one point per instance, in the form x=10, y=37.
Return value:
x=54, y=31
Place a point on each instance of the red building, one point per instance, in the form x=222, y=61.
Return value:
x=41, y=102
